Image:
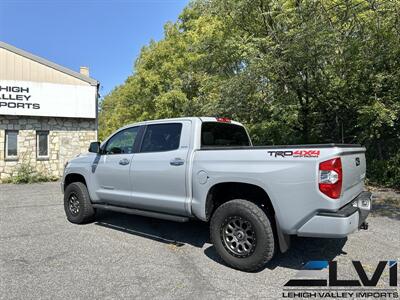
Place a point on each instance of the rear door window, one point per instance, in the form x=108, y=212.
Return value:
x=161, y=137
x=215, y=134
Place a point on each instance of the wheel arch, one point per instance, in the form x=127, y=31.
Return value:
x=225, y=191
x=74, y=177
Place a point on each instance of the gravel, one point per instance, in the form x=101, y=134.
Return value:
x=44, y=256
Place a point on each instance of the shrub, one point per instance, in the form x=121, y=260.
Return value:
x=385, y=172
x=27, y=174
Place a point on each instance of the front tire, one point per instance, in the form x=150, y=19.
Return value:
x=242, y=235
x=77, y=205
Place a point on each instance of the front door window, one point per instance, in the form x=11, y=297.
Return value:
x=122, y=142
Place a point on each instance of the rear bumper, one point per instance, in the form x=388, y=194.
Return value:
x=340, y=223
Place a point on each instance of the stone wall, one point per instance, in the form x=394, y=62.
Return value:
x=67, y=138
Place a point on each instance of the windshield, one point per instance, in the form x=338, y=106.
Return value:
x=216, y=134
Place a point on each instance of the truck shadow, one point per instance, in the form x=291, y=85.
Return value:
x=301, y=251
x=386, y=207
x=196, y=233
x=385, y=202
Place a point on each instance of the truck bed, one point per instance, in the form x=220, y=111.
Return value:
x=288, y=174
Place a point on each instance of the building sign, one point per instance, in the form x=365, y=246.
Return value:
x=27, y=98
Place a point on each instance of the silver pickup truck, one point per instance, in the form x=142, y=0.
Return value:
x=255, y=198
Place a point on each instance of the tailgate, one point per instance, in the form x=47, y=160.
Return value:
x=354, y=168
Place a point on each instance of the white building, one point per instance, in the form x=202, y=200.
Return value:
x=48, y=113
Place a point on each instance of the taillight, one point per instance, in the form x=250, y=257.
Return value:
x=330, y=177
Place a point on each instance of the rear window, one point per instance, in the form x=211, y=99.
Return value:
x=214, y=134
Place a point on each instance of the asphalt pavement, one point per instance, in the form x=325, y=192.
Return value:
x=43, y=256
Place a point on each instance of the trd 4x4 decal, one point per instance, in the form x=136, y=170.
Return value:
x=296, y=153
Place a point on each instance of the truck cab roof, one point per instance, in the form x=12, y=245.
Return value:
x=193, y=119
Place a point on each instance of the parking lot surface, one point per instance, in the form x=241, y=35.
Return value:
x=44, y=256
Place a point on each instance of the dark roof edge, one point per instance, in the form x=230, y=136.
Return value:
x=48, y=63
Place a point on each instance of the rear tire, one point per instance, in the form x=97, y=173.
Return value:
x=77, y=205
x=242, y=235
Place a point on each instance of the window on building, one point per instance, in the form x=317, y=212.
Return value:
x=11, y=143
x=42, y=143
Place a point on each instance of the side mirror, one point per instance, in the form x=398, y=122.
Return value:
x=94, y=147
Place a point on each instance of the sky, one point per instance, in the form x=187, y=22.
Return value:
x=104, y=35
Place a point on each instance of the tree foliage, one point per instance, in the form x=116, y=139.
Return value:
x=293, y=71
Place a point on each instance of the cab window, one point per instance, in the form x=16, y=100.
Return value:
x=122, y=142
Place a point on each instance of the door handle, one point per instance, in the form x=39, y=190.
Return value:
x=124, y=162
x=177, y=162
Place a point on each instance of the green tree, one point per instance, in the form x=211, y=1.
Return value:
x=293, y=71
